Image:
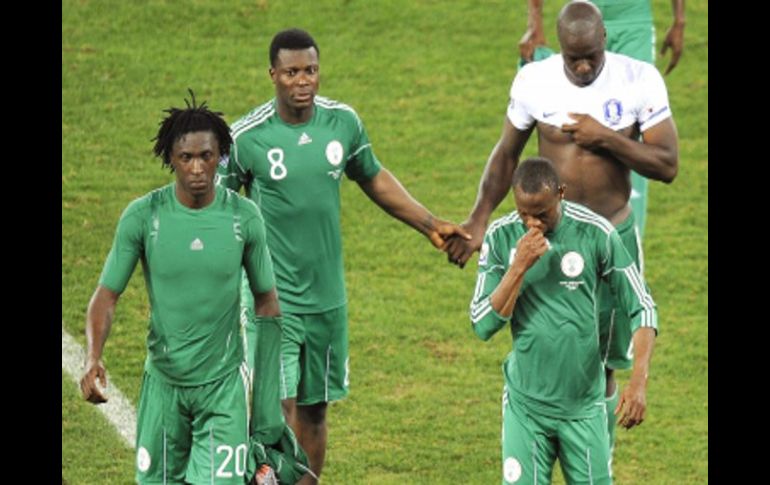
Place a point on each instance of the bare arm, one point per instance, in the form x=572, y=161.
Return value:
x=534, y=35
x=494, y=185
x=101, y=309
x=528, y=251
x=266, y=304
x=632, y=404
x=388, y=193
x=656, y=158
x=674, y=35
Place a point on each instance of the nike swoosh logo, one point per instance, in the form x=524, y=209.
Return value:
x=548, y=115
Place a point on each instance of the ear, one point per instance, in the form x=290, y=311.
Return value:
x=561, y=191
x=272, y=73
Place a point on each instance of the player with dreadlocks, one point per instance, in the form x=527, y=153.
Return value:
x=193, y=239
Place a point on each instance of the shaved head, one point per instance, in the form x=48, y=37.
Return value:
x=582, y=39
x=580, y=19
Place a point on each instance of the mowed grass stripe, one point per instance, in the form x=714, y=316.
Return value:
x=118, y=410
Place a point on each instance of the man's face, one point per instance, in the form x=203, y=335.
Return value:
x=295, y=76
x=541, y=210
x=583, y=57
x=194, y=157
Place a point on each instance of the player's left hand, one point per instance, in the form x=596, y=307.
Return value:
x=585, y=131
x=632, y=405
x=674, y=40
x=442, y=230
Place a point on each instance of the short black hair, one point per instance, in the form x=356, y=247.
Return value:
x=534, y=174
x=194, y=118
x=292, y=39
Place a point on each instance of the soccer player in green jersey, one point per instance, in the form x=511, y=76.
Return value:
x=290, y=155
x=538, y=269
x=598, y=116
x=194, y=241
x=630, y=31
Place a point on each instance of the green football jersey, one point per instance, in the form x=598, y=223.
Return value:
x=293, y=173
x=555, y=367
x=192, y=261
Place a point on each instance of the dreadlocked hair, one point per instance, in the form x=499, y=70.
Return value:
x=194, y=118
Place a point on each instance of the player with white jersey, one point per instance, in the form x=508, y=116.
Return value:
x=539, y=269
x=589, y=108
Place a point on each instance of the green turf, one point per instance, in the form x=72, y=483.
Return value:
x=430, y=80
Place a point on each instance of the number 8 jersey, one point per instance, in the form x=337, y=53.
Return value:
x=293, y=173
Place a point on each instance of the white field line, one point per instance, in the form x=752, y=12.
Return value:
x=118, y=410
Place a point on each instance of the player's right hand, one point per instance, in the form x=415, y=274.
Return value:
x=529, y=42
x=530, y=247
x=94, y=372
x=459, y=250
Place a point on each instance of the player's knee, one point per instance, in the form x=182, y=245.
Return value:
x=314, y=414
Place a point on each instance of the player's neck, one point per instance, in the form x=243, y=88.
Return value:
x=194, y=201
x=295, y=116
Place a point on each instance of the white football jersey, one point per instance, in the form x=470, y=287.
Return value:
x=625, y=92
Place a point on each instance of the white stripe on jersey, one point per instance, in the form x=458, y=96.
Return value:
x=479, y=286
x=585, y=214
x=251, y=121
x=332, y=104
x=251, y=116
x=648, y=315
x=480, y=310
x=362, y=147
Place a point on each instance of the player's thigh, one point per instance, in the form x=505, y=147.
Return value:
x=220, y=431
x=325, y=360
x=528, y=452
x=163, y=433
x=584, y=451
x=292, y=346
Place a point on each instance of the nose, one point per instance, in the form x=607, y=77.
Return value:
x=196, y=165
x=583, y=68
x=533, y=223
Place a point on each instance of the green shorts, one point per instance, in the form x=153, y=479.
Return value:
x=614, y=326
x=196, y=435
x=314, y=356
x=532, y=442
x=634, y=40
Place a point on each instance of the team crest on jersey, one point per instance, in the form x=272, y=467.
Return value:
x=511, y=470
x=483, y=254
x=334, y=152
x=572, y=264
x=613, y=111
x=196, y=245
